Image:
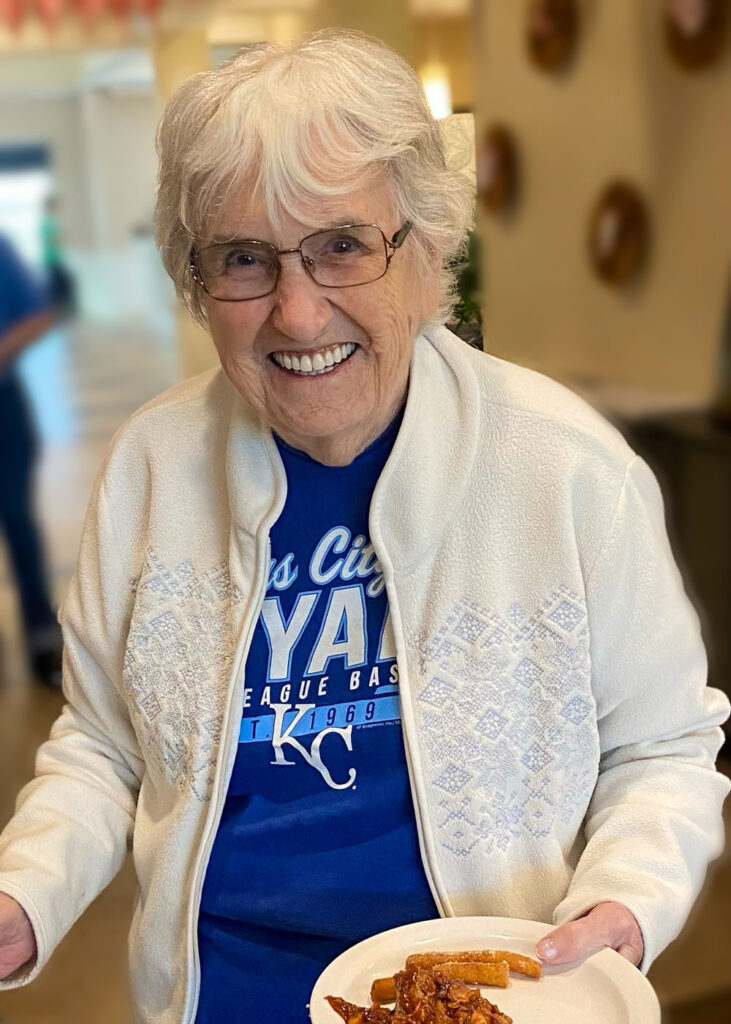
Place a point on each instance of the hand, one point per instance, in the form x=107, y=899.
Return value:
x=17, y=941
x=607, y=924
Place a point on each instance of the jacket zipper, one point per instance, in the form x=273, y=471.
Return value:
x=214, y=819
x=442, y=904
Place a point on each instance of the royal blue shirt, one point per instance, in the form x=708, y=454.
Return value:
x=21, y=296
x=317, y=847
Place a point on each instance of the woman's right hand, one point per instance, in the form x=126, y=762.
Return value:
x=17, y=941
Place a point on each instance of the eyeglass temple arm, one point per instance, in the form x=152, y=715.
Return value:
x=398, y=239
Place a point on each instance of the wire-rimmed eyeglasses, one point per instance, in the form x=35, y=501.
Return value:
x=343, y=257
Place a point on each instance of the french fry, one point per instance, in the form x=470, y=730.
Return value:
x=383, y=990
x=477, y=973
x=516, y=962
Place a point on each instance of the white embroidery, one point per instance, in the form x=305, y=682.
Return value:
x=176, y=667
x=506, y=720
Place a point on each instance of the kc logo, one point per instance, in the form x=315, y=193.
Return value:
x=282, y=736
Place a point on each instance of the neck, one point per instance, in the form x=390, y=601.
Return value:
x=340, y=450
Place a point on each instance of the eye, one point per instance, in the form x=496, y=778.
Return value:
x=344, y=245
x=241, y=258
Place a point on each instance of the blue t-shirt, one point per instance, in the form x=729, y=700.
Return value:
x=317, y=846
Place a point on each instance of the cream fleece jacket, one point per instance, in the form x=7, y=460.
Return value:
x=560, y=736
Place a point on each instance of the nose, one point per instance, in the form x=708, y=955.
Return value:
x=301, y=307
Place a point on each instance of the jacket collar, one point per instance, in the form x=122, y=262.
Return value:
x=421, y=487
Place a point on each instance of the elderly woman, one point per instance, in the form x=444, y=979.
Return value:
x=367, y=627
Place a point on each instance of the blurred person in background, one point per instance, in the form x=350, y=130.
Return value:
x=25, y=317
x=368, y=627
x=61, y=286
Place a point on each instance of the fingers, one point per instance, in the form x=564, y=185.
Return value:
x=631, y=952
x=606, y=925
x=572, y=941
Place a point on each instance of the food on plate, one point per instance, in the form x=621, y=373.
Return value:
x=352, y=1014
x=432, y=989
x=425, y=996
x=476, y=973
x=482, y=966
x=383, y=990
x=516, y=962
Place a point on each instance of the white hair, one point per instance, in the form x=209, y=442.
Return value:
x=299, y=125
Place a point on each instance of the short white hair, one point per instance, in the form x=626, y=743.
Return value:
x=300, y=125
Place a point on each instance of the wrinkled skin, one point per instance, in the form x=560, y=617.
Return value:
x=335, y=416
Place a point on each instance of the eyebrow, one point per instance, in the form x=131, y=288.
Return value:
x=340, y=222
x=347, y=218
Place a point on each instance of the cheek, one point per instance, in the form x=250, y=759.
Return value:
x=398, y=325
x=234, y=338
x=233, y=331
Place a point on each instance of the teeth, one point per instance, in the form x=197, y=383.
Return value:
x=316, y=364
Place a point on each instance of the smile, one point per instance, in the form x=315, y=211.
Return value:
x=315, y=363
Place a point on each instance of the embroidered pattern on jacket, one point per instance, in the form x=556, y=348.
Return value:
x=177, y=660
x=507, y=721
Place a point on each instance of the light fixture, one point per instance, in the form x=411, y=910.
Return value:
x=434, y=76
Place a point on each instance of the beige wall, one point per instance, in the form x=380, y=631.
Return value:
x=624, y=110
x=450, y=40
x=389, y=20
x=119, y=135
x=56, y=124
x=177, y=56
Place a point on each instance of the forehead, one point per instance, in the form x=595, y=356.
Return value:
x=248, y=216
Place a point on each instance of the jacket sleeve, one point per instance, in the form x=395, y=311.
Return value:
x=654, y=821
x=69, y=834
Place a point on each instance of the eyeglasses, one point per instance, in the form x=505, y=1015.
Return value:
x=342, y=257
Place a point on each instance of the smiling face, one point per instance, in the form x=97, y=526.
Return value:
x=359, y=338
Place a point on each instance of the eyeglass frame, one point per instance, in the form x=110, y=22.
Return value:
x=394, y=243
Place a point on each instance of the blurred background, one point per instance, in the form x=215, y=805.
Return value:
x=598, y=133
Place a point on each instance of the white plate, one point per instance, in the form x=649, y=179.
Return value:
x=603, y=989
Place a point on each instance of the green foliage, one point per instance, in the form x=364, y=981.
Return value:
x=467, y=318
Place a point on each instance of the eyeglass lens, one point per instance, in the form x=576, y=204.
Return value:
x=336, y=258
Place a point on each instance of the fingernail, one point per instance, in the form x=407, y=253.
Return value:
x=546, y=949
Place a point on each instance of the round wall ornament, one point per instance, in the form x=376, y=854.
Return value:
x=619, y=233
x=551, y=32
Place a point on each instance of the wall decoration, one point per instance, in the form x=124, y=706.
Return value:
x=497, y=169
x=619, y=233
x=49, y=11
x=15, y=13
x=12, y=13
x=551, y=32
x=695, y=31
